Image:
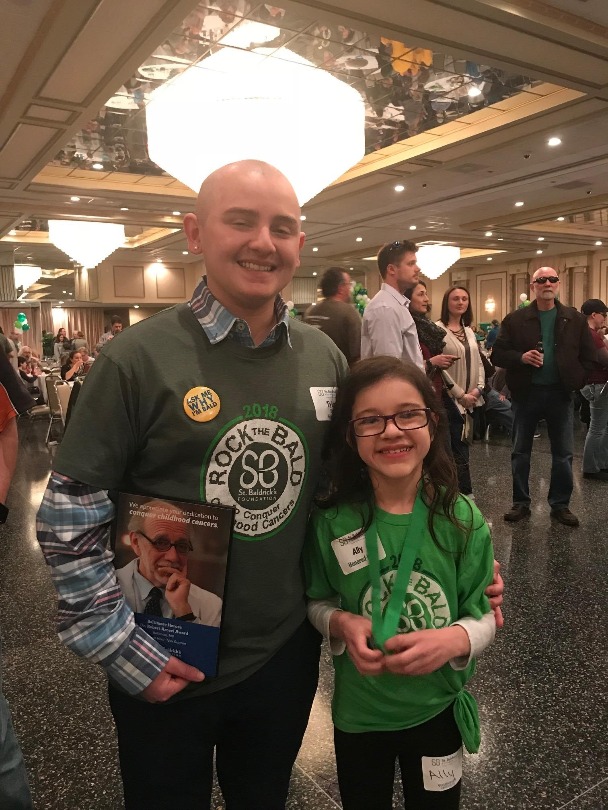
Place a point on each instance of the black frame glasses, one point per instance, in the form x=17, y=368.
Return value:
x=366, y=423
x=163, y=544
x=545, y=279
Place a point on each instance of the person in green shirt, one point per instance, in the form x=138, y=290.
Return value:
x=396, y=564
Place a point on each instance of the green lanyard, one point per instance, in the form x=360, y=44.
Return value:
x=385, y=627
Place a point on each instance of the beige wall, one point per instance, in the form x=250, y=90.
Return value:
x=126, y=283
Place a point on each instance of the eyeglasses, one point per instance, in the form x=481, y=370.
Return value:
x=404, y=420
x=162, y=544
x=545, y=279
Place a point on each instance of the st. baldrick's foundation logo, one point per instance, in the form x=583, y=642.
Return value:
x=425, y=605
x=258, y=466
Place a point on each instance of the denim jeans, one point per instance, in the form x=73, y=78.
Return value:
x=499, y=411
x=552, y=403
x=595, y=454
x=14, y=789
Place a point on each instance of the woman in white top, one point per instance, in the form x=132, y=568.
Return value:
x=466, y=378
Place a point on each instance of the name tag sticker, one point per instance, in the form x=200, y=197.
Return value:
x=351, y=552
x=323, y=399
x=442, y=773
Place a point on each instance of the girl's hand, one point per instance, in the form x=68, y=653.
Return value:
x=355, y=631
x=443, y=360
x=425, y=651
x=468, y=401
x=494, y=593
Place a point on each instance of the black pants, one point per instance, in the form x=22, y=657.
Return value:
x=256, y=727
x=460, y=449
x=366, y=765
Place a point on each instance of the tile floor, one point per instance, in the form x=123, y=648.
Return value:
x=541, y=687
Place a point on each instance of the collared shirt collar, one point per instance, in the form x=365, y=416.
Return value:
x=402, y=299
x=218, y=323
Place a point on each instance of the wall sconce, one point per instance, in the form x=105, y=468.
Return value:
x=490, y=305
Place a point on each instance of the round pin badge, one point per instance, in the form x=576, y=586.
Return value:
x=202, y=404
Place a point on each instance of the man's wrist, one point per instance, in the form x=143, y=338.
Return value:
x=187, y=617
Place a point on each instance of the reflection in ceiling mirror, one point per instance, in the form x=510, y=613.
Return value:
x=39, y=276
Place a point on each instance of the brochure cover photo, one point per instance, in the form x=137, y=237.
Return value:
x=171, y=560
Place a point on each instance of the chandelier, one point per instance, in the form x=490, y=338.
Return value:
x=261, y=104
x=434, y=260
x=88, y=243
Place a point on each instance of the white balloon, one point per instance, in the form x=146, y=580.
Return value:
x=289, y=304
x=523, y=297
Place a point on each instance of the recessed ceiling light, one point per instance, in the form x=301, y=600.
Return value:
x=177, y=213
x=399, y=187
x=160, y=261
x=489, y=259
x=561, y=219
x=554, y=141
x=124, y=209
x=598, y=243
x=302, y=217
x=412, y=227
x=97, y=166
x=500, y=239
x=315, y=273
x=518, y=204
x=75, y=199
x=65, y=292
x=541, y=238
x=135, y=306
x=70, y=293
x=359, y=239
x=488, y=233
x=184, y=252
x=315, y=249
x=539, y=252
x=60, y=302
x=351, y=268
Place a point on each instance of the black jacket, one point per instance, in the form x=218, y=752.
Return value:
x=520, y=331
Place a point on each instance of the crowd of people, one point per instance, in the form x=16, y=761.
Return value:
x=353, y=463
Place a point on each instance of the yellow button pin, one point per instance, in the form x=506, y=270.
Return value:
x=202, y=404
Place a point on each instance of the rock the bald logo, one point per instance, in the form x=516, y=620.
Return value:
x=425, y=605
x=259, y=467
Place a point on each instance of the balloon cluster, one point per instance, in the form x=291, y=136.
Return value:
x=361, y=297
x=293, y=312
x=524, y=301
x=21, y=322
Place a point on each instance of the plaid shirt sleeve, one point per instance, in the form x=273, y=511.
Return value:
x=93, y=619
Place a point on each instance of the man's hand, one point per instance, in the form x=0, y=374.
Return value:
x=494, y=593
x=468, y=401
x=532, y=358
x=175, y=676
x=355, y=631
x=425, y=651
x=176, y=592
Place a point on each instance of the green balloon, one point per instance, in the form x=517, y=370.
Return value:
x=22, y=317
x=25, y=327
x=17, y=324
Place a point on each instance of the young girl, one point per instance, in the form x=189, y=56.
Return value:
x=397, y=563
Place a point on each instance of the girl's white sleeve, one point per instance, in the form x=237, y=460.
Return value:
x=481, y=634
x=319, y=614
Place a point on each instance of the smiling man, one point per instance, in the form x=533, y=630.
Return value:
x=222, y=399
x=388, y=327
x=546, y=349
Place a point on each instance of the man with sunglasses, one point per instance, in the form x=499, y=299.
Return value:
x=388, y=327
x=546, y=349
x=156, y=581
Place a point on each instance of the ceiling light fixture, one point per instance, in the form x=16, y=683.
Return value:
x=518, y=204
x=598, y=243
x=561, y=219
x=359, y=239
x=177, y=213
x=399, y=187
x=412, y=227
x=26, y=275
x=135, y=306
x=314, y=272
x=315, y=249
x=554, y=141
x=88, y=243
x=302, y=217
x=124, y=209
x=184, y=252
x=60, y=302
x=434, y=260
x=75, y=199
x=257, y=86
x=541, y=239
x=489, y=259
x=488, y=233
x=539, y=252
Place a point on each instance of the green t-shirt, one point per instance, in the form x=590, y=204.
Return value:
x=443, y=586
x=164, y=412
x=548, y=374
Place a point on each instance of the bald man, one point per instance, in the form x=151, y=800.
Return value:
x=546, y=349
x=222, y=399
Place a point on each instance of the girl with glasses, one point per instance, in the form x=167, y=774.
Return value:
x=397, y=563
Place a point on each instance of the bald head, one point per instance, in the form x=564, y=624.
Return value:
x=255, y=170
